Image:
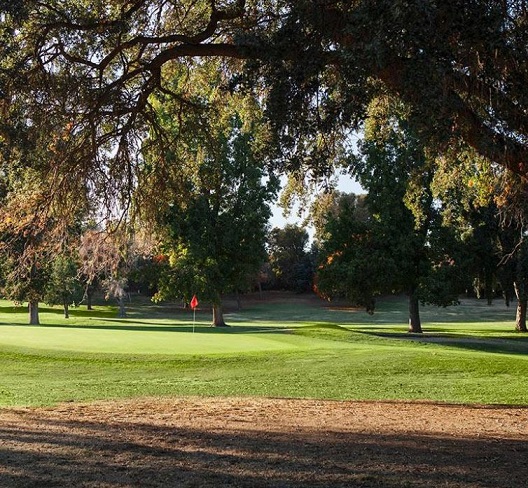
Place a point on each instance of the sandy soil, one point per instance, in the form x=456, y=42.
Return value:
x=240, y=442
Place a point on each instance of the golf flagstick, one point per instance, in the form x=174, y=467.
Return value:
x=194, y=304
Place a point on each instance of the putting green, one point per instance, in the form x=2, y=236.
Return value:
x=145, y=340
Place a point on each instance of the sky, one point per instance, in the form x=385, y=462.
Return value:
x=345, y=184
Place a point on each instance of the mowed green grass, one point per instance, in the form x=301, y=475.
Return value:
x=289, y=348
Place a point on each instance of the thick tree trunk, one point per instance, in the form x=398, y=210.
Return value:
x=415, y=324
x=218, y=316
x=66, y=310
x=33, y=313
x=522, y=303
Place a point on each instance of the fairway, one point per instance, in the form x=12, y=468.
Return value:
x=284, y=346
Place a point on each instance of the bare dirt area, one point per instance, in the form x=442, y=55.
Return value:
x=241, y=442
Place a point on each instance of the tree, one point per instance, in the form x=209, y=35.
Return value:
x=352, y=264
x=214, y=206
x=34, y=224
x=108, y=256
x=28, y=239
x=216, y=236
x=290, y=262
x=63, y=286
x=520, y=284
x=93, y=68
x=25, y=283
x=513, y=206
x=467, y=186
x=488, y=207
x=403, y=246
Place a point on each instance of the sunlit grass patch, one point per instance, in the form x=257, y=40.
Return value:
x=289, y=349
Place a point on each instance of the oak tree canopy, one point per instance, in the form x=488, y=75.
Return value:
x=84, y=71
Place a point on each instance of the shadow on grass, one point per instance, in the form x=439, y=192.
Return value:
x=390, y=311
x=43, y=451
x=136, y=326
x=501, y=345
x=74, y=312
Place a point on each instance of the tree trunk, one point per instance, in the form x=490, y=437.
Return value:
x=89, y=296
x=520, y=319
x=522, y=304
x=33, y=313
x=122, y=309
x=415, y=324
x=218, y=316
x=66, y=310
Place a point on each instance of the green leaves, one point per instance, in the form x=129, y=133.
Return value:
x=216, y=192
x=401, y=247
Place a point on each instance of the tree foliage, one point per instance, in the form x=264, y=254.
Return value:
x=352, y=264
x=89, y=71
x=26, y=240
x=403, y=246
x=63, y=286
x=108, y=257
x=82, y=83
x=290, y=261
x=214, y=209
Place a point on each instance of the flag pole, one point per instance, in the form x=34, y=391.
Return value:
x=194, y=304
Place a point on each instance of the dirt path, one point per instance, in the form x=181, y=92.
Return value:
x=263, y=443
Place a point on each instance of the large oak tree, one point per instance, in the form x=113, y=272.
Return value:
x=402, y=245
x=92, y=66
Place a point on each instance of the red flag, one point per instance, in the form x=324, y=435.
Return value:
x=194, y=302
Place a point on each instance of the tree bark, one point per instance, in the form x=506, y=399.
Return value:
x=522, y=304
x=218, y=316
x=89, y=295
x=520, y=319
x=33, y=313
x=415, y=324
x=66, y=310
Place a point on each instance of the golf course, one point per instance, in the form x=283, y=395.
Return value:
x=283, y=346
x=296, y=391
